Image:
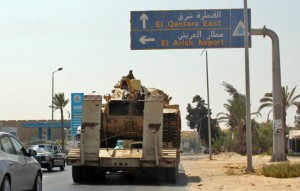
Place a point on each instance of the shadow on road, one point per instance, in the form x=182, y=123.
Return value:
x=45, y=171
x=186, y=178
x=143, y=179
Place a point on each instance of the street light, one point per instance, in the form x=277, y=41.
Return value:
x=92, y=92
x=59, y=69
x=208, y=116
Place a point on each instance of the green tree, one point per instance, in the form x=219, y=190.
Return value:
x=218, y=143
x=287, y=100
x=59, y=102
x=216, y=131
x=235, y=117
x=297, y=116
x=196, y=114
x=197, y=119
x=229, y=140
x=264, y=139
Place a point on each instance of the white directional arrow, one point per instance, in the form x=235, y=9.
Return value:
x=144, y=40
x=144, y=18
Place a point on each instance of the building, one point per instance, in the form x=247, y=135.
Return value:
x=190, y=142
x=29, y=131
x=294, y=141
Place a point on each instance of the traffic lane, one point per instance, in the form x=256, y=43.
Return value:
x=62, y=180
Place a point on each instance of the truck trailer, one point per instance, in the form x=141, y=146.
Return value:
x=135, y=131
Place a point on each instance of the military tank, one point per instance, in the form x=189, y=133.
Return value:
x=122, y=114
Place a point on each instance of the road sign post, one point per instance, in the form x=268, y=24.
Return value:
x=188, y=29
x=77, y=101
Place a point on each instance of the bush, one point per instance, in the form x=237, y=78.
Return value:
x=281, y=170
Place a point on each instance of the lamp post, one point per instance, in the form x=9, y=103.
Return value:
x=92, y=92
x=208, y=115
x=52, y=95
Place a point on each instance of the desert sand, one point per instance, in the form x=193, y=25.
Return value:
x=226, y=171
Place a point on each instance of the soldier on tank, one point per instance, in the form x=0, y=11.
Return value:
x=130, y=75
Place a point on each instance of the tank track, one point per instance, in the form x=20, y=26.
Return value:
x=172, y=128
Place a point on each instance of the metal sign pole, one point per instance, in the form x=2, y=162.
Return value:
x=250, y=168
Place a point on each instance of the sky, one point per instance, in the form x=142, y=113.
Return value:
x=90, y=39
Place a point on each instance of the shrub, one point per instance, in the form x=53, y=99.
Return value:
x=281, y=170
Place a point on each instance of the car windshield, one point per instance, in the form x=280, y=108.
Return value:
x=41, y=148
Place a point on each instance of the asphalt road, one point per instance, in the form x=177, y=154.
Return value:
x=62, y=181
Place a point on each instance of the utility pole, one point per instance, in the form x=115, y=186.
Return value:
x=249, y=168
x=208, y=115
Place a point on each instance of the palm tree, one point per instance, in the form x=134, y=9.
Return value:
x=235, y=104
x=236, y=112
x=297, y=116
x=59, y=102
x=287, y=100
x=235, y=117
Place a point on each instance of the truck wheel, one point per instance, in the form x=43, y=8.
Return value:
x=160, y=175
x=171, y=175
x=101, y=175
x=92, y=174
x=50, y=167
x=89, y=174
x=76, y=174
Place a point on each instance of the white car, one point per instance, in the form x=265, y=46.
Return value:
x=19, y=170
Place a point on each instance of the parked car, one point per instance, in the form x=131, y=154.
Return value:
x=214, y=151
x=19, y=170
x=49, y=155
x=206, y=151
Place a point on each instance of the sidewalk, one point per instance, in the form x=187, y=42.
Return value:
x=227, y=172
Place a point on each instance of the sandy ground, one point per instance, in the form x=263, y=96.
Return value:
x=226, y=171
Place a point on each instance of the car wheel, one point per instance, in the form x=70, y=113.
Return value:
x=50, y=167
x=62, y=167
x=38, y=182
x=5, y=185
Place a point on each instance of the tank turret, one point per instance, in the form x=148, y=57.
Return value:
x=123, y=113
